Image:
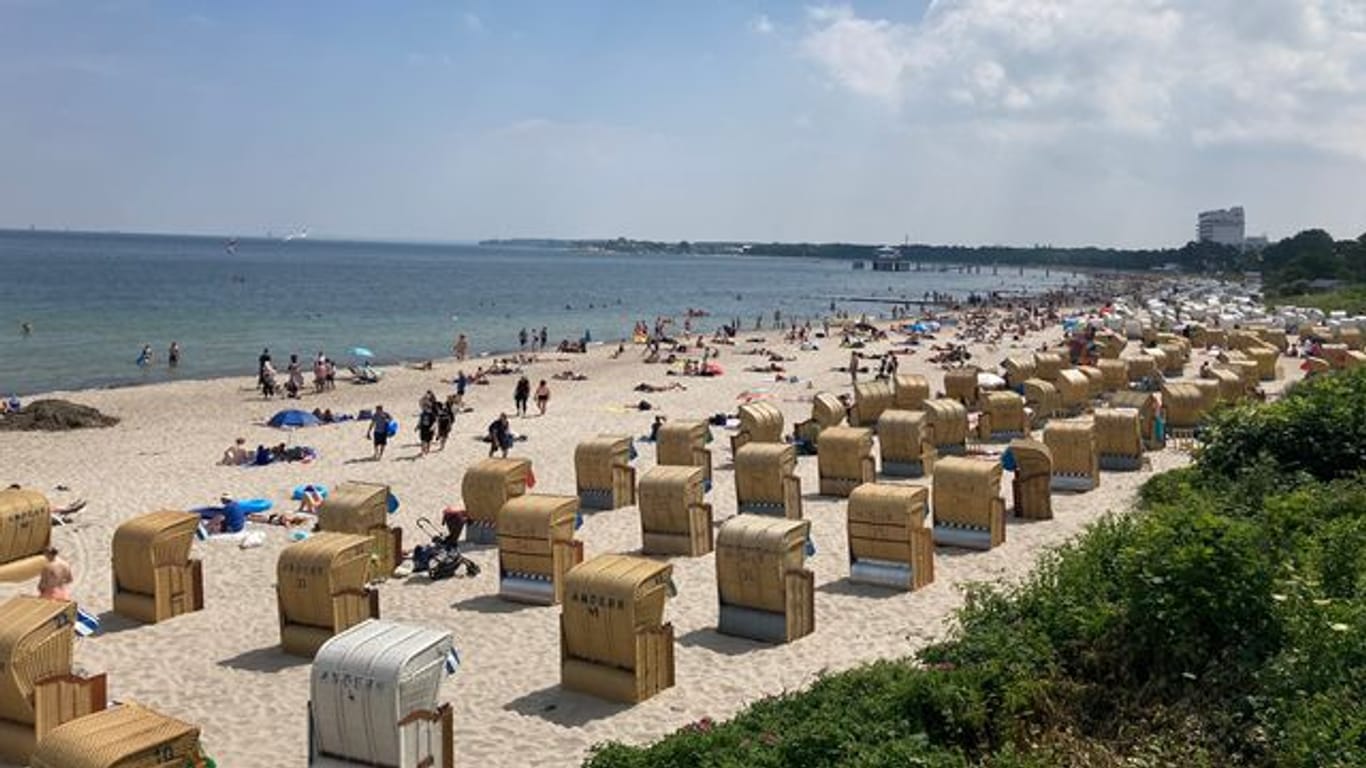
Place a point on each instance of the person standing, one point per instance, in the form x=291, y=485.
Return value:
x=545, y=336
x=173, y=354
x=461, y=348
x=54, y=581
x=296, y=377
x=521, y=394
x=261, y=363
x=521, y=339
x=145, y=356
x=542, y=396
x=853, y=367
x=461, y=383
x=268, y=380
x=378, y=432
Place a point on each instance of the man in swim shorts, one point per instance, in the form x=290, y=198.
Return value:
x=379, y=431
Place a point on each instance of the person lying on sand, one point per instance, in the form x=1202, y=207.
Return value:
x=284, y=519
x=647, y=387
x=770, y=368
x=569, y=375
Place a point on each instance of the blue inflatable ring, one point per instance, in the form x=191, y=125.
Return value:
x=393, y=427
x=252, y=506
x=298, y=494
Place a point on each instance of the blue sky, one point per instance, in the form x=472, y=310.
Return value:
x=965, y=121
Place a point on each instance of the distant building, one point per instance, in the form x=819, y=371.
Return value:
x=1225, y=227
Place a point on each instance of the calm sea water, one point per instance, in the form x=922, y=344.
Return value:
x=94, y=299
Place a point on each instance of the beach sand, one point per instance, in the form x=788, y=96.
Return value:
x=221, y=667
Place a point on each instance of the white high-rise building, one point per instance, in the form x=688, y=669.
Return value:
x=1225, y=227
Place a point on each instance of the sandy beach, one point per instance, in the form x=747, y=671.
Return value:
x=221, y=668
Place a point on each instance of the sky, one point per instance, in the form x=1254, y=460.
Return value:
x=1066, y=122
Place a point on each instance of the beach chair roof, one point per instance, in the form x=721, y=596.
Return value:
x=119, y=736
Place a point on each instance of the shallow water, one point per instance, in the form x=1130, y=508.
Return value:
x=94, y=299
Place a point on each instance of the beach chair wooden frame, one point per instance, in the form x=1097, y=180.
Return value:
x=766, y=481
x=1076, y=463
x=154, y=577
x=487, y=485
x=889, y=545
x=684, y=444
x=38, y=690
x=323, y=588
x=125, y=736
x=536, y=547
x=845, y=460
x=760, y=422
x=25, y=533
x=966, y=503
x=614, y=642
x=1032, y=484
x=675, y=518
x=765, y=593
x=603, y=473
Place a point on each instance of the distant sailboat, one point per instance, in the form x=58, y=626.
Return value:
x=302, y=234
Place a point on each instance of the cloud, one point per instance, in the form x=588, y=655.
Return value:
x=761, y=24
x=473, y=23
x=1209, y=73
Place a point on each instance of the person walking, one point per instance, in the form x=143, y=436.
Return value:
x=426, y=427
x=461, y=383
x=378, y=432
x=521, y=394
x=542, y=396
x=445, y=419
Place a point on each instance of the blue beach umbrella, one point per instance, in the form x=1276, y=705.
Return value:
x=362, y=352
x=292, y=419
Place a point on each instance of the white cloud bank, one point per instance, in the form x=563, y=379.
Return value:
x=1210, y=72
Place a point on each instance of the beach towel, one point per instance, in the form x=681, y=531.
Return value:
x=87, y=623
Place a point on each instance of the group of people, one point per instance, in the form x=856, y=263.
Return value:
x=267, y=377
x=434, y=420
x=532, y=339
x=521, y=395
x=146, y=357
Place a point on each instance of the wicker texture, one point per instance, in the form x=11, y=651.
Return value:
x=886, y=523
x=1018, y=370
x=1184, y=406
x=1048, y=364
x=845, y=459
x=1114, y=374
x=1095, y=380
x=1074, y=389
x=961, y=384
x=912, y=390
x=488, y=484
x=154, y=578
x=321, y=589
x=1119, y=432
x=1003, y=415
x=871, y=398
x=613, y=610
x=126, y=736
x=948, y=422
x=674, y=517
x=966, y=494
x=760, y=422
x=25, y=532
x=1076, y=464
x=603, y=472
x=753, y=557
x=765, y=474
x=1142, y=367
x=1032, y=484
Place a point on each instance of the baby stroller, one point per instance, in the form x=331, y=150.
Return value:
x=442, y=559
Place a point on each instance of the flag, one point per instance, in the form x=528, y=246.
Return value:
x=202, y=531
x=452, y=660
x=87, y=623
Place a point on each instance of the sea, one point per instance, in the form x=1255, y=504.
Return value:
x=92, y=300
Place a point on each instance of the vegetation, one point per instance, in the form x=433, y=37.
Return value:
x=1350, y=299
x=1223, y=624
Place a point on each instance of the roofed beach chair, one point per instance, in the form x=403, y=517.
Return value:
x=128, y=735
x=871, y=398
x=948, y=421
x=961, y=384
x=966, y=503
x=155, y=578
x=685, y=444
x=1003, y=417
x=760, y=422
x=1119, y=439
x=488, y=484
x=1032, y=484
x=323, y=588
x=845, y=460
x=1076, y=464
x=25, y=533
x=911, y=391
x=614, y=642
x=766, y=481
x=536, y=547
x=906, y=441
x=889, y=544
x=675, y=518
x=765, y=591
x=603, y=472
x=363, y=509
x=826, y=411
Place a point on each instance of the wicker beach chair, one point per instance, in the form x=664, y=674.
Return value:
x=871, y=398
x=889, y=544
x=125, y=736
x=1184, y=406
x=1003, y=417
x=536, y=547
x=1095, y=380
x=911, y=392
x=362, y=509
x=1043, y=399
x=488, y=484
x=765, y=591
x=323, y=588
x=1032, y=484
x=906, y=443
x=603, y=472
x=614, y=642
x=760, y=422
x=1047, y=365
x=1018, y=370
x=961, y=384
x=1143, y=367
x=25, y=533
x=845, y=460
x=675, y=518
x=1114, y=374
x=1076, y=464
x=38, y=689
x=948, y=425
x=1074, y=390
x=966, y=502
x=155, y=578
x=685, y=444
x=1119, y=439
x=373, y=697
x=766, y=481
x=1148, y=407
x=826, y=411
